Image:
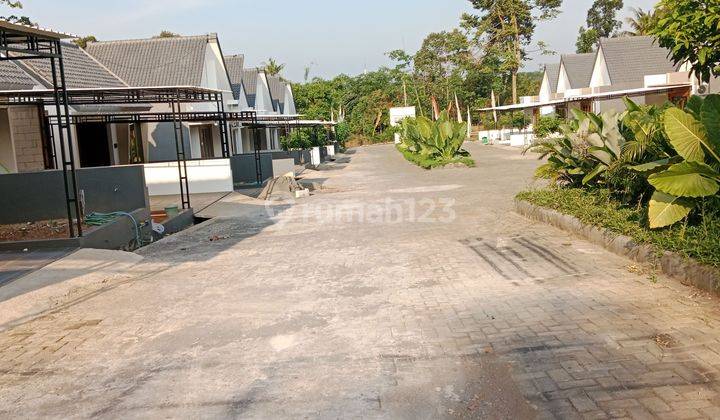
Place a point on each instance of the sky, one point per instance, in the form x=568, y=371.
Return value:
x=328, y=36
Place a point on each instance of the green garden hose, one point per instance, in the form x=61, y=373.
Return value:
x=100, y=219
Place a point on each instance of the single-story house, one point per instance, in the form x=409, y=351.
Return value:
x=195, y=61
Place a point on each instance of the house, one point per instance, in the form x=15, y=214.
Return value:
x=548, y=87
x=629, y=63
x=255, y=85
x=95, y=145
x=282, y=96
x=575, y=73
x=195, y=61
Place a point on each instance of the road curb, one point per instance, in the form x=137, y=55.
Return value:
x=685, y=270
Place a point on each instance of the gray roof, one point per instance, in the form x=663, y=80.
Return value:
x=579, y=69
x=249, y=79
x=630, y=59
x=553, y=73
x=277, y=92
x=235, y=65
x=13, y=78
x=81, y=70
x=155, y=62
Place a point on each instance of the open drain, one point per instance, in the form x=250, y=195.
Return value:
x=522, y=258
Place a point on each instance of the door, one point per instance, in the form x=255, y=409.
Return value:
x=207, y=148
x=93, y=145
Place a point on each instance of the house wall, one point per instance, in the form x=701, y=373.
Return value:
x=106, y=190
x=26, y=133
x=563, y=81
x=600, y=76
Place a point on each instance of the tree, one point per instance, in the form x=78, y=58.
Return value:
x=587, y=40
x=82, y=42
x=640, y=23
x=601, y=23
x=167, y=34
x=272, y=67
x=505, y=29
x=440, y=64
x=690, y=29
x=22, y=20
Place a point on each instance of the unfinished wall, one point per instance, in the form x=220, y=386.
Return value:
x=39, y=196
x=7, y=151
x=26, y=133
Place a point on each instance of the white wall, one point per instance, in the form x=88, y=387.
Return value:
x=600, y=76
x=204, y=176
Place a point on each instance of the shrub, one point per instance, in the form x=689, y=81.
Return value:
x=546, y=126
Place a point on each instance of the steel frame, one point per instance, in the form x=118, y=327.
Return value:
x=16, y=45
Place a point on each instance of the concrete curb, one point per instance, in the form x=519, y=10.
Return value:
x=685, y=270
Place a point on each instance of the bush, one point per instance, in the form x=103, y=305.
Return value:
x=698, y=239
x=546, y=126
x=342, y=132
x=304, y=138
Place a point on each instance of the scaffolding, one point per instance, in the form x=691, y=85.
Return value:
x=173, y=96
x=20, y=42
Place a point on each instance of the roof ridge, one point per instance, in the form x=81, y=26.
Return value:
x=208, y=36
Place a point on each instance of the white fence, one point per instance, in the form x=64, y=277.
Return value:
x=204, y=176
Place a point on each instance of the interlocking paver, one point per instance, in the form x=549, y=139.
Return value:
x=303, y=314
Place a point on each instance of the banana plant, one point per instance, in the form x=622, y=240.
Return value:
x=681, y=182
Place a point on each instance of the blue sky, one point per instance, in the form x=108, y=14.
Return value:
x=331, y=37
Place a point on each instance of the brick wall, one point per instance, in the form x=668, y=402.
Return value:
x=27, y=136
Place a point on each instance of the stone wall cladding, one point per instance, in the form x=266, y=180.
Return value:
x=27, y=137
x=685, y=270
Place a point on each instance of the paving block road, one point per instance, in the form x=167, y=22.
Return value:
x=393, y=292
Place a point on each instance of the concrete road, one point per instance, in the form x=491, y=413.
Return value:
x=392, y=293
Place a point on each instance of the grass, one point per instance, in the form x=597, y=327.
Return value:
x=698, y=239
x=432, y=163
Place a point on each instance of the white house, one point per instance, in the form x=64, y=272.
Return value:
x=195, y=61
x=548, y=88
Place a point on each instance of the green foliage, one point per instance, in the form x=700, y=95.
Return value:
x=587, y=40
x=82, y=42
x=22, y=20
x=546, y=126
x=690, y=29
x=304, y=138
x=272, y=67
x=167, y=34
x=641, y=22
x=439, y=140
x=504, y=30
x=699, y=240
x=695, y=137
x=590, y=146
x=429, y=162
x=342, y=132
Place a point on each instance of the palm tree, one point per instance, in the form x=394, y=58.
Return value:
x=640, y=23
x=272, y=67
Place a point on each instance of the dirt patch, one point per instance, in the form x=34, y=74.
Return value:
x=33, y=231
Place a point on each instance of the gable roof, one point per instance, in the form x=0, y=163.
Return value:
x=249, y=81
x=630, y=59
x=579, y=69
x=553, y=74
x=81, y=70
x=175, y=61
x=13, y=77
x=277, y=92
x=235, y=65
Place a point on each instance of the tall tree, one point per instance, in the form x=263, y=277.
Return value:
x=440, y=63
x=690, y=29
x=640, y=23
x=272, y=67
x=601, y=22
x=505, y=29
x=23, y=20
